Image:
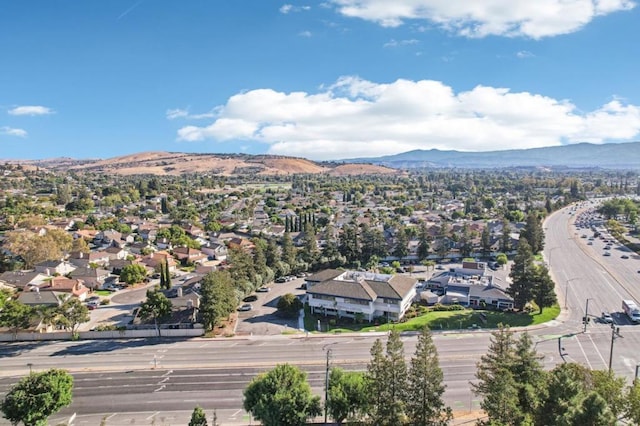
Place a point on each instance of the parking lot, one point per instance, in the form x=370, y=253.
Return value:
x=262, y=319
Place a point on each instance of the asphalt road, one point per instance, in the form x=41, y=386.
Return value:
x=160, y=381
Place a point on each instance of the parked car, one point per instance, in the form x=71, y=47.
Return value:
x=93, y=299
x=93, y=305
x=245, y=307
x=281, y=280
x=250, y=298
x=624, y=256
x=607, y=253
x=263, y=289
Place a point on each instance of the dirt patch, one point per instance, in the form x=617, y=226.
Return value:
x=227, y=329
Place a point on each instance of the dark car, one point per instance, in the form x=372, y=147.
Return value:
x=250, y=298
x=281, y=280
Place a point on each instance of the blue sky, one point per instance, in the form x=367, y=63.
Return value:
x=321, y=80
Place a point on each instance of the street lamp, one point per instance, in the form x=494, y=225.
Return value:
x=326, y=380
x=585, y=320
x=566, y=290
x=615, y=333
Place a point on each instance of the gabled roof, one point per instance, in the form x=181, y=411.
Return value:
x=49, y=298
x=327, y=274
x=362, y=286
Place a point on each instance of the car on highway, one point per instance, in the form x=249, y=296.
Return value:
x=263, y=289
x=606, y=318
x=245, y=307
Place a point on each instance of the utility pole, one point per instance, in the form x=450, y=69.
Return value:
x=326, y=386
x=615, y=332
x=586, y=316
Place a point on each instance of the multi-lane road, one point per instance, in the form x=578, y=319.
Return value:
x=159, y=382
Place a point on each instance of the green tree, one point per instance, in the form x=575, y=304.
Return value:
x=348, y=398
x=528, y=373
x=565, y=389
x=632, y=403
x=36, y=397
x=496, y=383
x=281, y=397
x=522, y=274
x=133, y=273
x=218, y=298
x=387, y=377
x=157, y=306
x=289, y=305
x=543, y=288
x=505, y=240
x=485, y=240
x=425, y=387
x=16, y=316
x=71, y=314
x=289, y=253
x=423, y=242
x=502, y=259
x=592, y=410
x=198, y=417
x=401, y=247
x=533, y=232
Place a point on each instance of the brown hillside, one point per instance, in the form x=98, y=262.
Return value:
x=176, y=163
x=361, y=169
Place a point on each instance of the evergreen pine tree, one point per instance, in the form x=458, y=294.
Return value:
x=522, y=273
x=425, y=387
x=496, y=383
x=167, y=276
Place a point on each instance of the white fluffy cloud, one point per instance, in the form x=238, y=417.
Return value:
x=528, y=18
x=356, y=117
x=30, y=110
x=12, y=131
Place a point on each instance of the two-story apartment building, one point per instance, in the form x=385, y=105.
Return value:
x=365, y=294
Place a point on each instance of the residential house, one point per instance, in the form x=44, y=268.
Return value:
x=94, y=278
x=153, y=260
x=37, y=298
x=189, y=255
x=365, y=294
x=81, y=260
x=217, y=250
x=115, y=252
x=74, y=287
x=23, y=279
x=53, y=267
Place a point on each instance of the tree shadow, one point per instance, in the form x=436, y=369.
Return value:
x=109, y=345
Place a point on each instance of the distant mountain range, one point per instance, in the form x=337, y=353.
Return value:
x=621, y=156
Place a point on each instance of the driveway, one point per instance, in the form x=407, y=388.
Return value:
x=262, y=319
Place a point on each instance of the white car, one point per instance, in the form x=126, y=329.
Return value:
x=245, y=307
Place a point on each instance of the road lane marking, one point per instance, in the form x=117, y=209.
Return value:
x=597, y=350
x=153, y=415
x=586, y=358
x=167, y=373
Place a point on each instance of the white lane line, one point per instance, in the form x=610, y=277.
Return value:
x=109, y=416
x=236, y=413
x=167, y=373
x=597, y=351
x=584, y=354
x=153, y=415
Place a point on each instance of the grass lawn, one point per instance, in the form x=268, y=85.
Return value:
x=103, y=293
x=446, y=320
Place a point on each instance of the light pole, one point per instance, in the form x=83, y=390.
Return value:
x=586, y=316
x=326, y=379
x=615, y=332
x=566, y=290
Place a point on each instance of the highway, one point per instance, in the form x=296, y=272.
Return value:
x=160, y=381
